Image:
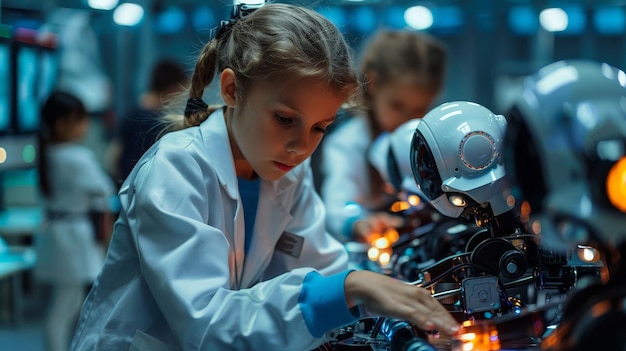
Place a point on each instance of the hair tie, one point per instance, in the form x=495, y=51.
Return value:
x=219, y=31
x=194, y=105
x=239, y=11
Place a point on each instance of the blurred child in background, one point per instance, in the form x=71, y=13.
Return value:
x=72, y=184
x=404, y=73
x=138, y=129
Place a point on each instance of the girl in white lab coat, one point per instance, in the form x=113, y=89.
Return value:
x=220, y=243
x=404, y=73
x=73, y=185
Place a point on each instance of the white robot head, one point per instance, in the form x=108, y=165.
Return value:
x=400, y=173
x=566, y=153
x=456, y=159
x=390, y=155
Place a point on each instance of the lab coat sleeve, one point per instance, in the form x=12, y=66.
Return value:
x=346, y=181
x=185, y=262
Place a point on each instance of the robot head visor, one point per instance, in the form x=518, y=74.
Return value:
x=424, y=168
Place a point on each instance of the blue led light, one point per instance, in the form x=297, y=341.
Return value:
x=576, y=19
x=335, y=14
x=202, y=18
x=609, y=20
x=523, y=20
x=394, y=17
x=363, y=19
x=171, y=20
x=447, y=17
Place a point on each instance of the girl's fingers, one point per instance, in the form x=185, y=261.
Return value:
x=411, y=303
x=435, y=315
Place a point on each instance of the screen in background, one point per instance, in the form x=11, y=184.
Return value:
x=49, y=68
x=27, y=104
x=5, y=86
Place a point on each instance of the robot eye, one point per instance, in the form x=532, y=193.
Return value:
x=424, y=167
x=457, y=200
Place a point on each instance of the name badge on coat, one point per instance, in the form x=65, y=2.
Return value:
x=290, y=244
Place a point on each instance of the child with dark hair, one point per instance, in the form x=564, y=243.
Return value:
x=72, y=185
x=139, y=129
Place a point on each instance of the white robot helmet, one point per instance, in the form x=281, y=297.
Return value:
x=456, y=159
x=390, y=155
x=566, y=153
x=400, y=173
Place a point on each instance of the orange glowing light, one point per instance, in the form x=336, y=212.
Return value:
x=478, y=337
x=468, y=336
x=525, y=209
x=525, y=212
x=600, y=309
x=382, y=243
x=414, y=200
x=373, y=253
x=616, y=185
x=588, y=253
x=510, y=200
x=392, y=235
x=400, y=206
x=536, y=227
x=384, y=258
x=371, y=238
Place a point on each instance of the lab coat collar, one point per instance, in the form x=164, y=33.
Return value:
x=215, y=138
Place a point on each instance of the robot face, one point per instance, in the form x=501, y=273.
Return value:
x=425, y=168
x=565, y=153
x=456, y=159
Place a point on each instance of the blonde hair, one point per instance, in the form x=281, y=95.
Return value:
x=280, y=43
x=393, y=55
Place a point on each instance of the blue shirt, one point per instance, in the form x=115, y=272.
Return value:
x=249, y=192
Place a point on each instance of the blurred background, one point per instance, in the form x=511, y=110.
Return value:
x=491, y=42
x=103, y=51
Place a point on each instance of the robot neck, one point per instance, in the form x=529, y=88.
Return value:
x=503, y=224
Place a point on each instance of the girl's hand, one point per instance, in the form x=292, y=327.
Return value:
x=388, y=297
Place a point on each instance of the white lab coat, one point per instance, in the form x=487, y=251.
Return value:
x=176, y=277
x=346, y=176
x=66, y=246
